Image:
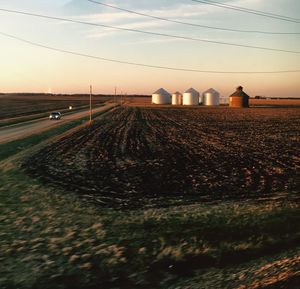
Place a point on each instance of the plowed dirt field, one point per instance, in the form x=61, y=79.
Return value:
x=138, y=156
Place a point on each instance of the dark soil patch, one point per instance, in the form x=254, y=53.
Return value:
x=156, y=157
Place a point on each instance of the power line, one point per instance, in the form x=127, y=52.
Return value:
x=252, y=10
x=151, y=33
x=249, y=11
x=140, y=64
x=191, y=24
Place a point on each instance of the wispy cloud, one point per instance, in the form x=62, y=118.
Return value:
x=133, y=21
x=188, y=12
x=95, y=33
x=153, y=41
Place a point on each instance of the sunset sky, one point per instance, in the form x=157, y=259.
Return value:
x=26, y=68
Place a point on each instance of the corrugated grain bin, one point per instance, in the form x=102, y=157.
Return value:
x=161, y=96
x=191, y=97
x=239, y=98
x=211, y=97
x=177, y=98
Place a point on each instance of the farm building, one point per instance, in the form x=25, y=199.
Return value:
x=239, y=98
x=211, y=97
x=191, y=97
x=177, y=98
x=161, y=96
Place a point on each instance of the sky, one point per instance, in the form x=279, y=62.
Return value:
x=27, y=68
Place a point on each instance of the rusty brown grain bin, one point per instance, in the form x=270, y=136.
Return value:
x=239, y=98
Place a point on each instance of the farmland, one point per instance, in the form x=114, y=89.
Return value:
x=158, y=157
x=151, y=197
x=12, y=106
x=276, y=102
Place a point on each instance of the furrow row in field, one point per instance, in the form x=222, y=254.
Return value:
x=134, y=156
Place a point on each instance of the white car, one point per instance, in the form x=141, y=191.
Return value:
x=55, y=115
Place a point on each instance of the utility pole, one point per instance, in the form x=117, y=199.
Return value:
x=115, y=94
x=91, y=91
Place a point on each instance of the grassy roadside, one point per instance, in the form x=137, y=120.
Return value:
x=22, y=119
x=50, y=239
x=13, y=147
x=54, y=240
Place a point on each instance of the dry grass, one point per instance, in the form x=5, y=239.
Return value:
x=50, y=239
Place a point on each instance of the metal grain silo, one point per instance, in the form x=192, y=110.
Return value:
x=177, y=98
x=211, y=97
x=161, y=96
x=191, y=97
x=239, y=98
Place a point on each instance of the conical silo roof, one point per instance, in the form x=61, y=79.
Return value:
x=192, y=90
x=239, y=92
x=161, y=91
x=211, y=90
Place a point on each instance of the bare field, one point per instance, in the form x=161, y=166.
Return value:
x=12, y=106
x=146, y=101
x=275, y=102
x=17, y=106
x=138, y=101
x=156, y=157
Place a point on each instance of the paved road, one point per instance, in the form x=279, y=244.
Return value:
x=8, y=134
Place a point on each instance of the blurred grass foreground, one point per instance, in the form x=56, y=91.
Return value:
x=54, y=240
